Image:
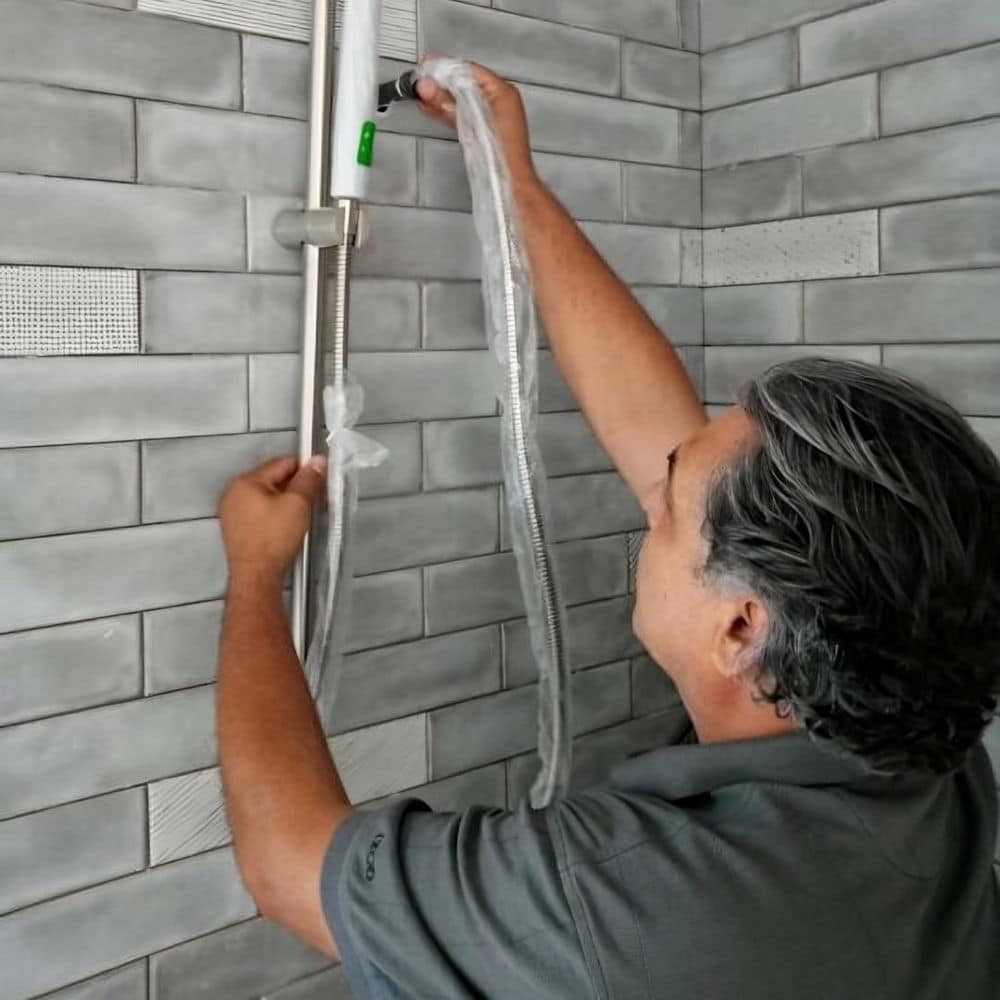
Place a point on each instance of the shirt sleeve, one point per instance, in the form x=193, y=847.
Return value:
x=466, y=904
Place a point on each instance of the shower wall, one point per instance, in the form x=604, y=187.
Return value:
x=149, y=328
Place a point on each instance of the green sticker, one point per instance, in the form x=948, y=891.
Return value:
x=366, y=148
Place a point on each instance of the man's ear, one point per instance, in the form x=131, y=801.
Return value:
x=740, y=636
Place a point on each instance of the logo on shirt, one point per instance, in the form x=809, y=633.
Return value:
x=370, y=857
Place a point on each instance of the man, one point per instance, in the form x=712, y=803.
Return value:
x=821, y=580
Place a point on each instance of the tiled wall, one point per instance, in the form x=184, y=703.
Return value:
x=142, y=161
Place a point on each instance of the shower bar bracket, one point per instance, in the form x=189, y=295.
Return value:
x=323, y=227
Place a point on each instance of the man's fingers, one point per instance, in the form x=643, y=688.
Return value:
x=435, y=101
x=274, y=472
x=309, y=482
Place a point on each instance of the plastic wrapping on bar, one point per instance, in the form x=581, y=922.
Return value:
x=512, y=330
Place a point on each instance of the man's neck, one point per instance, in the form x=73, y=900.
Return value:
x=725, y=710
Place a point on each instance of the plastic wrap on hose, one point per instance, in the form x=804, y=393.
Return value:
x=512, y=330
x=349, y=452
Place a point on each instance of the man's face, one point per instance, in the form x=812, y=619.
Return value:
x=677, y=615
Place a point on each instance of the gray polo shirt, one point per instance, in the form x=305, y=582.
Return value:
x=759, y=870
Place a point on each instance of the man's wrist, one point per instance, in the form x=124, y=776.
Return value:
x=255, y=580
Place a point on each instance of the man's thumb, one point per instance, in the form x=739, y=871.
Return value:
x=309, y=481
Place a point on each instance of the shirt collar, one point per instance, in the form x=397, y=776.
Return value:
x=677, y=772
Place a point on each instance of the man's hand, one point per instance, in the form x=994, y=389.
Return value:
x=265, y=516
x=506, y=106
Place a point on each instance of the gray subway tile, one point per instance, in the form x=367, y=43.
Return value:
x=382, y=684
x=652, y=690
x=87, y=48
x=263, y=251
x=66, y=400
x=384, y=315
x=952, y=88
x=394, y=532
x=967, y=375
x=638, y=254
x=935, y=236
x=691, y=140
x=988, y=428
x=727, y=368
x=666, y=195
x=522, y=48
x=36, y=484
x=98, y=224
x=661, y=75
x=232, y=964
x=274, y=387
x=724, y=22
x=385, y=608
x=187, y=816
x=48, y=581
x=483, y=786
x=126, y=983
x=505, y=723
x=553, y=391
x=400, y=472
x=275, y=76
x=593, y=504
x=753, y=192
x=181, y=645
x=56, y=851
x=689, y=14
x=382, y=759
x=825, y=246
x=692, y=258
x=958, y=305
x=693, y=359
x=485, y=589
x=753, y=314
x=758, y=68
x=959, y=160
x=897, y=31
x=186, y=477
x=95, y=133
x=819, y=116
x=597, y=633
x=453, y=315
x=587, y=125
x=653, y=20
x=101, y=750
x=192, y=897
x=228, y=150
x=330, y=984
x=393, y=178
x=70, y=667
x=676, y=311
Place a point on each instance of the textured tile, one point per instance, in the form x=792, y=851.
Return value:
x=666, y=195
x=950, y=306
x=478, y=591
x=759, y=68
x=95, y=133
x=186, y=816
x=753, y=192
x=67, y=668
x=753, y=314
x=505, y=722
x=638, y=254
x=962, y=159
x=186, y=477
x=97, y=224
x=820, y=116
x=952, y=88
x=192, y=897
x=87, y=48
x=394, y=532
x=228, y=150
x=830, y=246
x=382, y=759
x=467, y=452
x=597, y=633
x=56, y=851
x=65, y=400
x=588, y=188
x=384, y=609
x=426, y=386
x=967, y=375
x=73, y=577
x=275, y=76
x=72, y=756
x=963, y=232
x=453, y=315
x=587, y=125
x=521, y=48
x=652, y=690
x=102, y=479
x=692, y=258
x=412, y=677
x=653, y=20
x=329, y=985
x=676, y=311
x=661, y=76
x=727, y=368
x=232, y=964
x=726, y=21
x=895, y=31
x=181, y=645
x=126, y=983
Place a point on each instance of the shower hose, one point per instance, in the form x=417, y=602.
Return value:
x=512, y=331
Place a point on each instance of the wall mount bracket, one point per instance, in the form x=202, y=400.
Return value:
x=323, y=227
